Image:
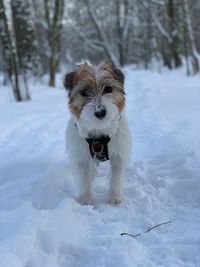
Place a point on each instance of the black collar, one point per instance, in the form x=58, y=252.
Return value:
x=99, y=147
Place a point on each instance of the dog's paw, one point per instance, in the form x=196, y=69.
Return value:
x=115, y=200
x=85, y=200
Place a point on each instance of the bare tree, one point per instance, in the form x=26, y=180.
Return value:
x=172, y=16
x=124, y=11
x=54, y=16
x=9, y=54
x=121, y=31
x=24, y=42
x=101, y=34
x=191, y=46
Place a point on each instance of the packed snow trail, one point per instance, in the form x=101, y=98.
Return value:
x=42, y=225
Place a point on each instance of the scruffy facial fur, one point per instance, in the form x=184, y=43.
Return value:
x=96, y=101
x=91, y=87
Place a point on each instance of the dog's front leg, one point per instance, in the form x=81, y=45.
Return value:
x=84, y=183
x=116, y=191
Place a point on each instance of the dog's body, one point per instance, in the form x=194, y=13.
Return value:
x=96, y=101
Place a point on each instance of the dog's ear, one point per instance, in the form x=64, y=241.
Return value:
x=69, y=81
x=119, y=76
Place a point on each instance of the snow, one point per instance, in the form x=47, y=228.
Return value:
x=42, y=225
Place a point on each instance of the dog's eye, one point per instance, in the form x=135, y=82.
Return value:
x=84, y=93
x=107, y=90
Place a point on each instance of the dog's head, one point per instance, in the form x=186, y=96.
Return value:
x=96, y=95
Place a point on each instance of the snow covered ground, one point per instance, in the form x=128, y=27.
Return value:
x=41, y=224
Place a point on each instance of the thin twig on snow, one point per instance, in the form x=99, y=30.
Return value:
x=146, y=231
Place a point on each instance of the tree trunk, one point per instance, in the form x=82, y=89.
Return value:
x=190, y=34
x=174, y=43
x=52, y=76
x=120, y=20
x=9, y=54
x=24, y=42
x=54, y=37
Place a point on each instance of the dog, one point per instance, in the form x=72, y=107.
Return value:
x=98, y=129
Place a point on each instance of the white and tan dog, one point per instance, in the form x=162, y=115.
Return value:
x=97, y=130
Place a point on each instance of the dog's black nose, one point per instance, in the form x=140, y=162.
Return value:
x=100, y=113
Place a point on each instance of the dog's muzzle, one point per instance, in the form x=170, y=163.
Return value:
x=99, y=147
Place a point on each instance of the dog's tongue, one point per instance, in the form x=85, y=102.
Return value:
x=99, y=148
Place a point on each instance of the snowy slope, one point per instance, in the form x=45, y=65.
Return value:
x=41, y=224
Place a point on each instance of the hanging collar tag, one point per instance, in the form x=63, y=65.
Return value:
x=99, y=147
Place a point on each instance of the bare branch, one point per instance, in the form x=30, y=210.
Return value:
x=146, y=231
x=150, y=228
